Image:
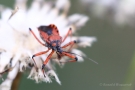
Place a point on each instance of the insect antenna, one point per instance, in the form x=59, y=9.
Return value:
x=84, y=57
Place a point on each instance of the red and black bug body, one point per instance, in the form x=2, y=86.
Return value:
x=50, y=35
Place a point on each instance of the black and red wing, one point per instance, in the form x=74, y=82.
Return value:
x=50, y=30
x=42, y=31
x=46, y=31
x=54, y=29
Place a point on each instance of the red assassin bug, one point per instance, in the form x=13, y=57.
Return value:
x=50, y=35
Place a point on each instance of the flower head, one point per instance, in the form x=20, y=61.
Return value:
x=18, y=45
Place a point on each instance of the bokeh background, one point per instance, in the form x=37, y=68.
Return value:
x=114, y=51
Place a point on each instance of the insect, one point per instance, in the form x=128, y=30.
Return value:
x=52, y=40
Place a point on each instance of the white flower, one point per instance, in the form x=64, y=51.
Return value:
x=18, y=44
x=121, y=11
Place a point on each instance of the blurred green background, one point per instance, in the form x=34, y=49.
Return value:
x=114, y=51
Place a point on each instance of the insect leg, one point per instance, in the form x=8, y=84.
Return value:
x=69, y=32
x=40, y=53
x=46, y=61
x=70, y=43
x=71, y=56
x=66, y=45
x=36, y=37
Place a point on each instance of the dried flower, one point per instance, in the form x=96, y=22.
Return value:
x=18, y=45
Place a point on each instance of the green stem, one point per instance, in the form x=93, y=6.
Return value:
x=130, y=78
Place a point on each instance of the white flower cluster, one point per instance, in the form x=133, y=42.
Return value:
x=17, y=44
x=121, y=11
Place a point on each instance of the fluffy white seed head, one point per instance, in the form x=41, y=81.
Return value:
x=20, y=45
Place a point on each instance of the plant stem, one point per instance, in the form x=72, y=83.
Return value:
x=16, y=81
